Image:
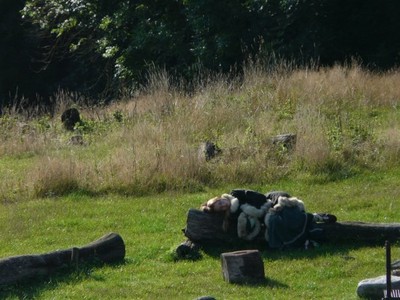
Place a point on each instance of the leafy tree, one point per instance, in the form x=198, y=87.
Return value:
x=365, y=29
x=92, y=46
x=15, y=53
x=131, y=35
x=222, y=32
x=144, y=33
x=339, y=30
x=69, y=29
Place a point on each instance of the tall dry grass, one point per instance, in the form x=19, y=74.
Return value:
x=345, y=119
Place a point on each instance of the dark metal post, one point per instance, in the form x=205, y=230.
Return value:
x=388, y=271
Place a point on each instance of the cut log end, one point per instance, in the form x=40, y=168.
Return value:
x=244, y=266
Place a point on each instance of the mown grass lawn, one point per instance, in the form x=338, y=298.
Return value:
x=151, y=229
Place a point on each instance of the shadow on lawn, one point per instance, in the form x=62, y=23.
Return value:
x=266, y=282
x=215, y=250
x=31, y=289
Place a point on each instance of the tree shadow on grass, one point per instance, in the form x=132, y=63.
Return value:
x=32, y=288
x=215, y=250
x=266, y=282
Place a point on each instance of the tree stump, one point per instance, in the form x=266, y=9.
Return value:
x=208, y=150
x=242, y=266
x=70, y=118
x=286, y=140
x=76, y=140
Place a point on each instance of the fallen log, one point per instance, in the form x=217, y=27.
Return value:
x=341, y=232
x=203, y=228
x=108, y=249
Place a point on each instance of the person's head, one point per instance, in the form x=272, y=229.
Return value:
x=217, y=204
x=223, y=204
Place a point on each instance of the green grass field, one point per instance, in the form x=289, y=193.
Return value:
x=138, y=172
x=151, y=229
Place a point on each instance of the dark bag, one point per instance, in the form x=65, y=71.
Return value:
x=253, y=198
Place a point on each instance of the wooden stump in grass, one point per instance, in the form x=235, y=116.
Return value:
x=242, y=266
x=287, y=140
x=70, y=118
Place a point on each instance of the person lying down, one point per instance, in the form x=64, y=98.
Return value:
x=277, y=217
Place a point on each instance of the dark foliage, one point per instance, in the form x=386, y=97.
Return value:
x=92, y=47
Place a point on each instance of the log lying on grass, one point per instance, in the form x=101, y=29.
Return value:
x=362, y=232
x=108, y=249
x=204, y=227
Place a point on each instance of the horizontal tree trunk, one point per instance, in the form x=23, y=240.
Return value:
x=109, y=248
x=205, y=227
x=362, y=232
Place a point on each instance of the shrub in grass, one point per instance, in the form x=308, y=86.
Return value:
x=55, y=177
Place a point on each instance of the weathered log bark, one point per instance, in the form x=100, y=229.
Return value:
x=109, y=248
x=361, y=232
x=242, y=266
x=204, y=227
x=207, y=227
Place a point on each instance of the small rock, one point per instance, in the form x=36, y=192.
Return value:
x=287, y=140
x=77, y=140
